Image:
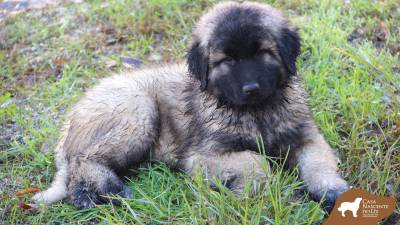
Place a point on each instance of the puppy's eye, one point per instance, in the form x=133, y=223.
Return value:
x=228, y=60
x=264, y=51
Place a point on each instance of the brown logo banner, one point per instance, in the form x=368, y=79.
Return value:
x=357, y=206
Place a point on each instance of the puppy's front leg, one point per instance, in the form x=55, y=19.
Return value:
x=234, y=169
x=318, y=169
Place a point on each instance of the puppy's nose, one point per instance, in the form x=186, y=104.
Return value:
x=251, y=88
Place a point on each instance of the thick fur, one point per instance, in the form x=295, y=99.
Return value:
x=239, y=83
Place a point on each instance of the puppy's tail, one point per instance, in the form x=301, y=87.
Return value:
x=57, y=191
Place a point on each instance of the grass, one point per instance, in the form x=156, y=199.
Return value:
x=49, y=57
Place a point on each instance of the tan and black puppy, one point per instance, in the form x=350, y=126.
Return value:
x=239, y=83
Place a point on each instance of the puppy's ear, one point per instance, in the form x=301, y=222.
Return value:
x=197, y=59
x=289, y=48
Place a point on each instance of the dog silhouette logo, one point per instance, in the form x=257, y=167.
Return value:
x=359, y=207
x=351, y=206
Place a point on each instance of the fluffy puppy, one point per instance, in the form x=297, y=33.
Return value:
x=239, y=83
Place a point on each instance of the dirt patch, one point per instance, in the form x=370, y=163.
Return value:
x=379, y=35
x=357, y=35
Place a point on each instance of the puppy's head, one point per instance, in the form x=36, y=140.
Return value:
x=243, y=53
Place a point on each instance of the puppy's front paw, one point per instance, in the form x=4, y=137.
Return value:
x=329, y=196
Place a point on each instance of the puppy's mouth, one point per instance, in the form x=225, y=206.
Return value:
x=262, y=99
x=254, y=100
x=245, y=101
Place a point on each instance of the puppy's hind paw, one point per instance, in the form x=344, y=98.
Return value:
x=126, y=192
x=84, y=199
x=115, y=186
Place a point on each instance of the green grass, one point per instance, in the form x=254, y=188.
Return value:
x=49, y=57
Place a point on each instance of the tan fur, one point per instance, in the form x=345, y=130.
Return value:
x=102, y=127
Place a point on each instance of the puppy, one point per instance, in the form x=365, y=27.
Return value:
x=239, y=83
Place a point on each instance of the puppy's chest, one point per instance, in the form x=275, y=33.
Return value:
x=252, y=133
x=238, y=134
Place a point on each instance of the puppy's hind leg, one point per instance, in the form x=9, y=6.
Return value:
x=113, y=128
x=94, y=173
x=119, y=139
x=92, y=183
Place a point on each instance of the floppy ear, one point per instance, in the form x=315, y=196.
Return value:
x=289, y=48
x=198, y=64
